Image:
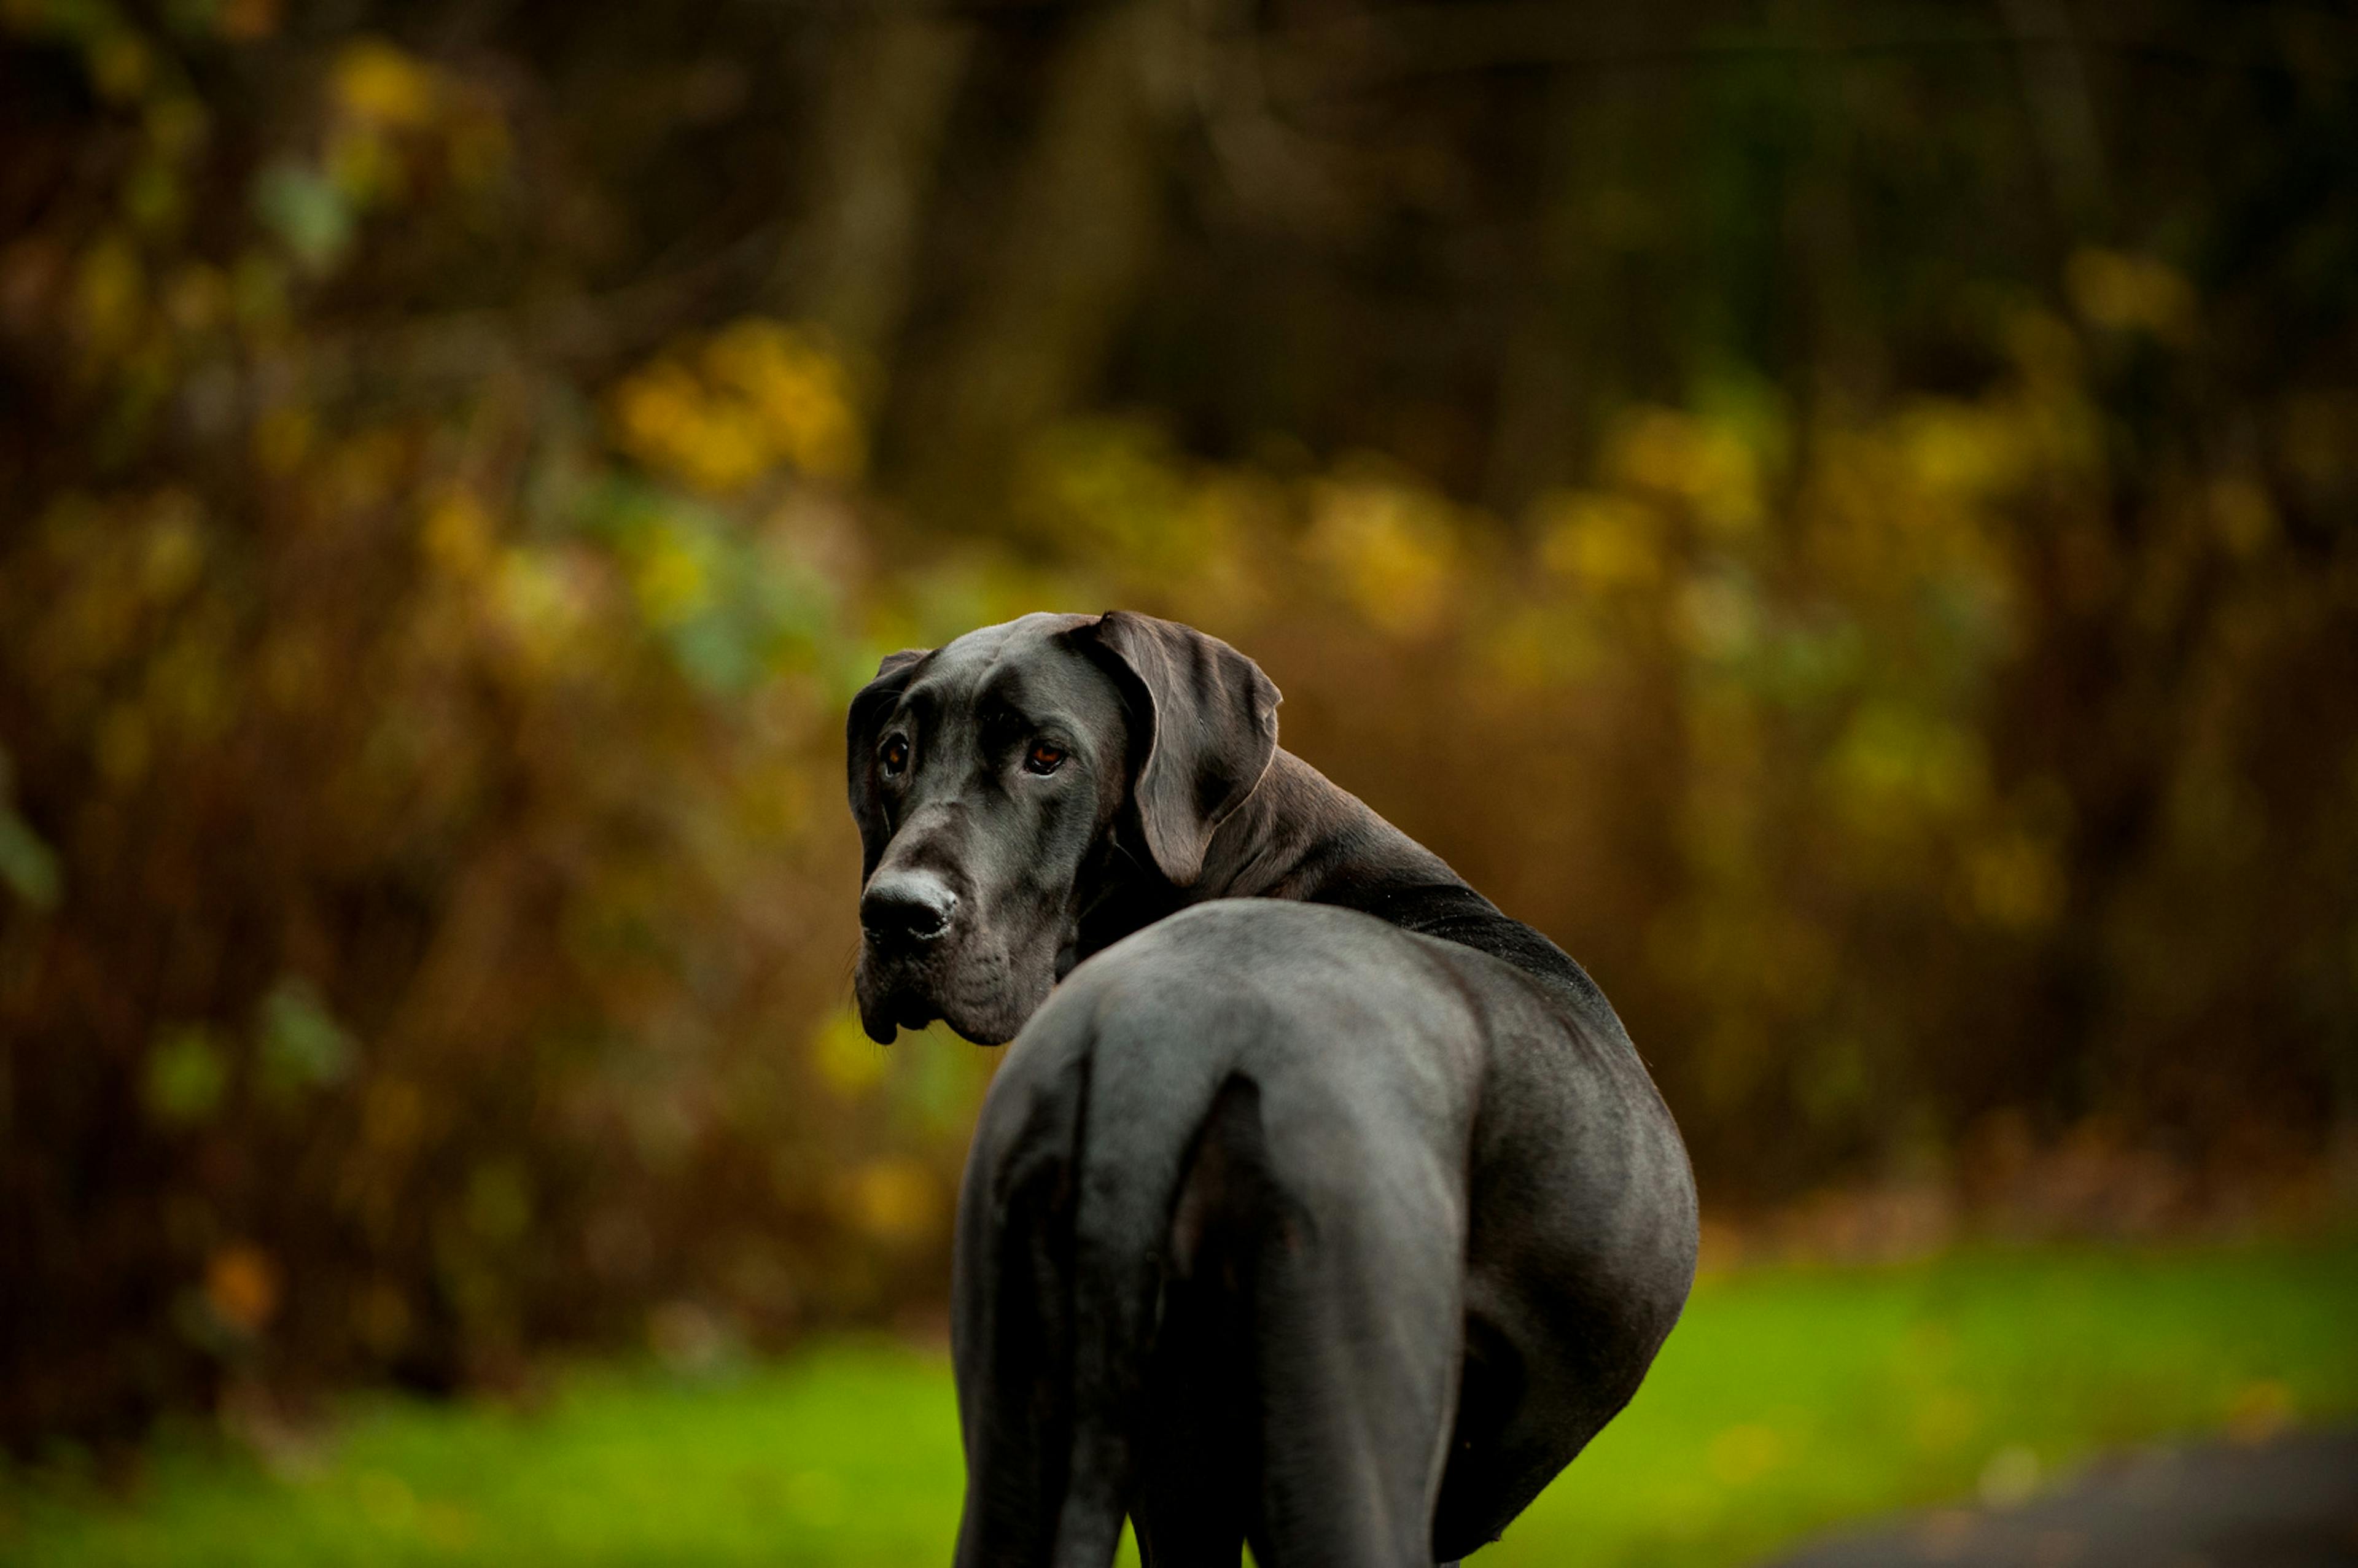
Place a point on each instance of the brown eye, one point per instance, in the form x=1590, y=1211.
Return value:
x=1043, y=758
x=896, y=754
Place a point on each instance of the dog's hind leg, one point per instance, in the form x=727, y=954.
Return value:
x=1012, y=1335
x=1307, y=1356
x=1358, y=1371
x=1200, y=1438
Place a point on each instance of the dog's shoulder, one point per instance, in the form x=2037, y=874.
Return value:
x=1451, y=911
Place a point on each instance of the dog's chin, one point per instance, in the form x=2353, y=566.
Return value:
x=987, y=1009
x=885, y=1021
x=891, y=1001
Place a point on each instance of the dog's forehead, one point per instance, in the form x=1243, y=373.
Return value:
x=1026, y=655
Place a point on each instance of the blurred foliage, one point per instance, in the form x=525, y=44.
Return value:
x=1843, y=516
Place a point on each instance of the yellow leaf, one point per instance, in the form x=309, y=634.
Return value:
x=456, y=536
x=282, y=438
x=110, y=294
x=2013, y=884
x=377, y=83
x=672, y=580
x=893, y=1199
x=2126, y=293
x=1603, y=542
x=1390, y=550
x=848, y=1061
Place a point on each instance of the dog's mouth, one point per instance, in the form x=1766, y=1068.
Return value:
x=983, y=995
x=893, y=995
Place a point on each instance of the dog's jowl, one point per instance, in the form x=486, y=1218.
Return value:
x=1318, y=1205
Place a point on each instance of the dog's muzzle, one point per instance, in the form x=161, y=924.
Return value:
x=905, y=918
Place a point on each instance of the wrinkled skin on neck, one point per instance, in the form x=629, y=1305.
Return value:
x=1024, y=852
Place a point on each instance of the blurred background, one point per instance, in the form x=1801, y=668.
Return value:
x=1844, y=515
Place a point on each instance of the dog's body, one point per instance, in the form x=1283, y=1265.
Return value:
x=1322, y=1204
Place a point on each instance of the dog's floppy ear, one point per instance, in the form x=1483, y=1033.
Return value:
x=860, y=738
x=1209, y=718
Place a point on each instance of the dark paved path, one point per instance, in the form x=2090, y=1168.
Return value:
x=2289, y=1503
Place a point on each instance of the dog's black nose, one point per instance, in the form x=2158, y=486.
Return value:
x=906, y=908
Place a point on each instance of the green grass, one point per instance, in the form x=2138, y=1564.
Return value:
x=1788, y=1400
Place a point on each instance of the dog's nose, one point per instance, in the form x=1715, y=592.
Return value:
x=906, y=908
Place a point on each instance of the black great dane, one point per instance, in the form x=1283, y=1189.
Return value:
x=1318, y=1205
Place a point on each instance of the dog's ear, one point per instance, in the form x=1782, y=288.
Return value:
x=860, y=739
x=1204, y=728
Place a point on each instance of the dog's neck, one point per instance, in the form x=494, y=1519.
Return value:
x=1299, y=835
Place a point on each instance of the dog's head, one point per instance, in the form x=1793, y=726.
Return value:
x=1001, y=781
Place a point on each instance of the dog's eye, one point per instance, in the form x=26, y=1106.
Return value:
x=1043, y=758
x=896, y=754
